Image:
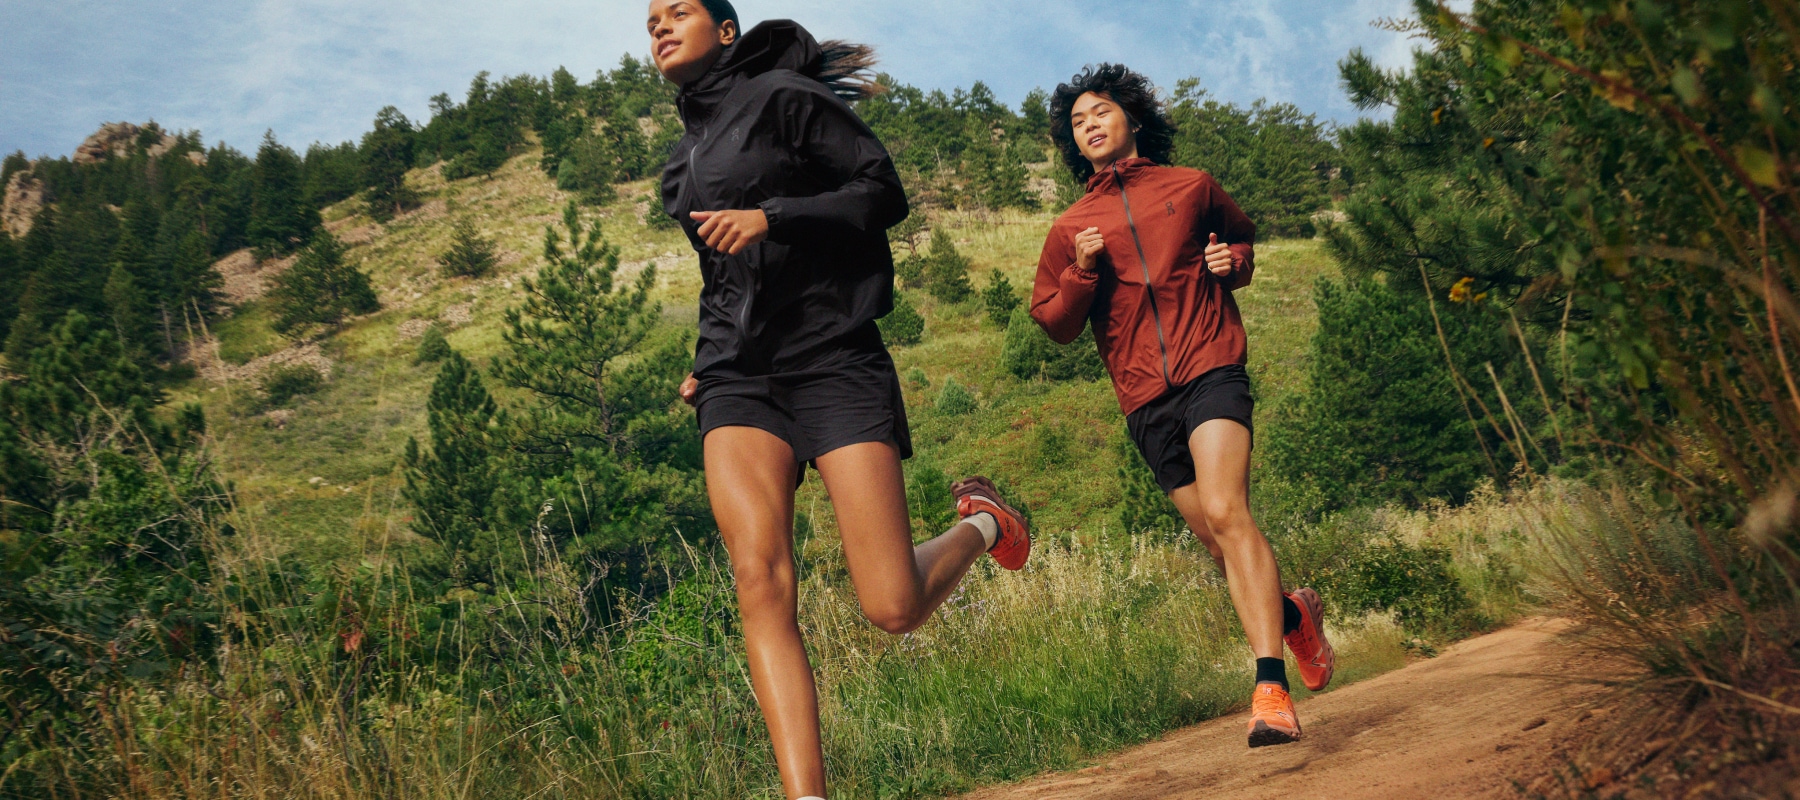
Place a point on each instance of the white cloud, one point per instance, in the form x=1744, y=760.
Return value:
x=319, y=69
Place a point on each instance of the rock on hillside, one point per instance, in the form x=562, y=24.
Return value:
x=24, y=194
x=19, y=205
x=117, y=139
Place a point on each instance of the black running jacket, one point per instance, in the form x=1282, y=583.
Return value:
x=761, y=132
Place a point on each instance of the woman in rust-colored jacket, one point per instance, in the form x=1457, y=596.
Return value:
x=1150, y=255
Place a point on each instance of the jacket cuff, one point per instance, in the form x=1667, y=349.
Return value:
x=1242, y=257
x=778, y=216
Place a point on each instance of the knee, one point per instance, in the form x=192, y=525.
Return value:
x=1227, y=517
x=893, y=617
x=764, y=583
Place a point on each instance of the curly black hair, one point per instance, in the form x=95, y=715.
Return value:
x=1133, y=92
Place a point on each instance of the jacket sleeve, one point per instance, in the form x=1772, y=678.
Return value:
x=1062, y=294
x=1224, y=218
x=828, y=135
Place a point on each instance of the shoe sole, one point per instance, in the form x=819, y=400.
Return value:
x=1314, y=610
x=1000, y=507
x=1265, y=736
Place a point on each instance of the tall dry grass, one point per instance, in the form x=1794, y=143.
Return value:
x=353, y=685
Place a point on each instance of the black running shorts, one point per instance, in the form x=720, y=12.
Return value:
x=1162, y=427
x=815, y=411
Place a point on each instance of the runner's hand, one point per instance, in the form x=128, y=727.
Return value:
x=1218, y=257
x=689, y=387
x=731, y=232
x=1088, y=247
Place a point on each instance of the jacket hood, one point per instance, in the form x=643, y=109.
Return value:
x=1127, y=168
x=771, y=45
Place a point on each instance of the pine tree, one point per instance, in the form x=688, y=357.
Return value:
x=12, y=282
x=280, y=218
x=320, y=289
x=903, y=325
x=597, y=435
x=1028, y=352
x=574, y=325
x=946, y=270
x=129, y=306
x=433, y=347
x=12, y=165
x=387, y=153
x=331, y=173
x=999, y=298
x=452, y=485
x=1380, y=420
x=471, y=255
x=997, y=176
x=589, y=169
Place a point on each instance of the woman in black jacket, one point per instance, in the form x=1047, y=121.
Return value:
x=786, y=195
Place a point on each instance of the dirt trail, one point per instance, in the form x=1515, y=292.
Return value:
x=1486, y=713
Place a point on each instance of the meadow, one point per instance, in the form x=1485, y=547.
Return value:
x=344, y=682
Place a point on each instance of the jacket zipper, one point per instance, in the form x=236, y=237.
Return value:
x=1149, y=288
x=693, y=182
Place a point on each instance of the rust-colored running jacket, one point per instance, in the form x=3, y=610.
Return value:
x=1160, y=317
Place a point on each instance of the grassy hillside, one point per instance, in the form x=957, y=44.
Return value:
x=1107, y=639
x=1051, y=442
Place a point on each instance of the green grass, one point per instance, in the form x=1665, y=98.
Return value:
x=248, y=334
x=1106, y=640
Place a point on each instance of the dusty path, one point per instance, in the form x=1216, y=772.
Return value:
x=1485, y=714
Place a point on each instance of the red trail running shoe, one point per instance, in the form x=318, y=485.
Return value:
x=1272, y=718
x=1308, y=643
x=977, y=494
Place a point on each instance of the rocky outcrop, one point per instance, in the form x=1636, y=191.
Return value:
x=23, y=194
x=23, y=198
x=119, y=139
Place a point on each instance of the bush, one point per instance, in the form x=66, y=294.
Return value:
x=284, y=383
x=903, y=325
x=1000, y=299
x=928, y=497
x=1381, y=421
x=954, y=400
x=433, y=347
x=1361, y=567
x=471, y=255
x=1028, y=353
x=1143, y=506
x=1050, y=446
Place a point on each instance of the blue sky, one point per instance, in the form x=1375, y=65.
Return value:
x=318, y=70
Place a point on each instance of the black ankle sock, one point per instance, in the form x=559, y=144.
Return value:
x=1290, y=615
x=1272, y=670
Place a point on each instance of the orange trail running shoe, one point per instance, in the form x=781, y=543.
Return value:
x=1272, y=719
x=977, y=494
x=1311, y=650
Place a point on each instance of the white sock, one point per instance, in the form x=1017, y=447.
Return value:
x=989, y=527
x=812, y=797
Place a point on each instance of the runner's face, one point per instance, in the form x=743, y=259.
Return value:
x=684, y=40
x=1103, y=130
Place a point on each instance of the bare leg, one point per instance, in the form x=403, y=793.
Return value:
x=1219, y=502
x=898, y=585
x=750, y=480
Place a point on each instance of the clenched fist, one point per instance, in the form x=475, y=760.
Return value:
x=1218, y=257
x=1088, y=247
x=731, y=232
x=689, y=387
